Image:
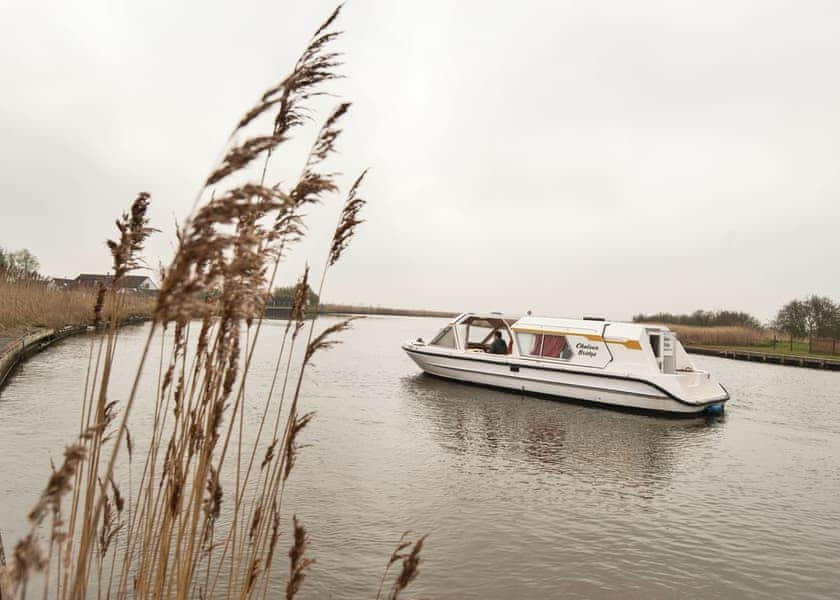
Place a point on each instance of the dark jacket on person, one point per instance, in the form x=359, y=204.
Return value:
x=498, y=346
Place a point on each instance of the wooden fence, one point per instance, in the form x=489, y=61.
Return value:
x=824, y=346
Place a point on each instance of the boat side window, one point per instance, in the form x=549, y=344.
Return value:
x=654, y=344
x=445, y=338
x=555, y=346
x=479, y=337
x=544, y=344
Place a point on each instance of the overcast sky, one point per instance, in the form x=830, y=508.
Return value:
x=566, y=157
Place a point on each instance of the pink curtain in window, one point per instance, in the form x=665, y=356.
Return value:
x=537, y=343
x=553, y=346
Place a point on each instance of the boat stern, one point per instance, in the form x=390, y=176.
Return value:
x=701, y=389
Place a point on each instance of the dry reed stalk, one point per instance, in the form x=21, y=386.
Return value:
x=348, y=219
x=396, y=555
x=28, y=304
x=133, y=228
x=410, y=568
x=298, y=313
x=298, y=563
x=228, y=254
x=722, y=336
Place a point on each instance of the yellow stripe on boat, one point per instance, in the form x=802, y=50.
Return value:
x=592, y=337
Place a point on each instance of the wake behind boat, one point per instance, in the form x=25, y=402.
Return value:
x=621, y=364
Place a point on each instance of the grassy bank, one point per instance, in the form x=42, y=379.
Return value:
x=722, y=336
x=381, y=310
x=25, y=304
x=743, y=338
x=799, y=349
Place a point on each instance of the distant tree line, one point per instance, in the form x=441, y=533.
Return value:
x=285, y=296
x=811, y=317
x=703, y=318
x=18, y=264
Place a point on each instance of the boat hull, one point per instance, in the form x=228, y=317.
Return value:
x=601, y=388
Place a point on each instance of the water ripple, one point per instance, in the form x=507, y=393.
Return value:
x=522, y=497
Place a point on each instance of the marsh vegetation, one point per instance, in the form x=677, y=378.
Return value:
x=201, y=513
x=29, y=302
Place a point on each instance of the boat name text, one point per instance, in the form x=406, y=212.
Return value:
x=587, y=349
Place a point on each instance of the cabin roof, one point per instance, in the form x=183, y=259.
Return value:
x=581, y=325
x=510, y=319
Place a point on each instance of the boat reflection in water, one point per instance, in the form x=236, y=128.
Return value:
x=497, y=429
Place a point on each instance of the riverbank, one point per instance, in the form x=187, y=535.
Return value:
x=16, y=348
x=811, y=361
x=18, y=345
x=282, y=312
x=33, y=304
x=761, y=345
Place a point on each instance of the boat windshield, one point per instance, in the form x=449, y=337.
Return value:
x=478, y=333
x=445, y=338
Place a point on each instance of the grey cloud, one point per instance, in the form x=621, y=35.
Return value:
x=571, y=157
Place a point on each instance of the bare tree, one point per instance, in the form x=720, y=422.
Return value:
x=26, y=261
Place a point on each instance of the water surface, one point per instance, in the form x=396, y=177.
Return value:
x=522, y=497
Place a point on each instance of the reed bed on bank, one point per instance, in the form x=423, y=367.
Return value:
x=722, y=336
x=162, y=532
x=383, y=310
x=27, y=303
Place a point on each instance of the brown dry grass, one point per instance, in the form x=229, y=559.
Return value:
x=203, y=515
x=722, y=336
x=384, y=310
x=25, y=304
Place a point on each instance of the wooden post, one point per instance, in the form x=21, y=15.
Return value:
x=2, y=564
x=791, y=342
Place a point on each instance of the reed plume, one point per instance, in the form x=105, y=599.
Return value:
x=27, y=557
x=410, y=568
x=98, y=305
x=168, y=536
x=348, y=221
x=59, y=483
x=314, y=67
x=410, y=565
x=292, y=446
x=324, y=340
x=134, y=229
x=300, y=302
x=298, y=563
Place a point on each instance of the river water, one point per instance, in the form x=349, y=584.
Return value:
x=521, y=497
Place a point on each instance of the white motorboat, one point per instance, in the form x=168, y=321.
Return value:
x=629, y=365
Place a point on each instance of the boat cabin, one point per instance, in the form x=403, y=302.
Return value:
x=474, y=332
x=592, y=343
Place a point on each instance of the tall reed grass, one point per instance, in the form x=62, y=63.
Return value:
x=385, y=311
x=722, y=336
x=26, y=303
x=161, y=534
